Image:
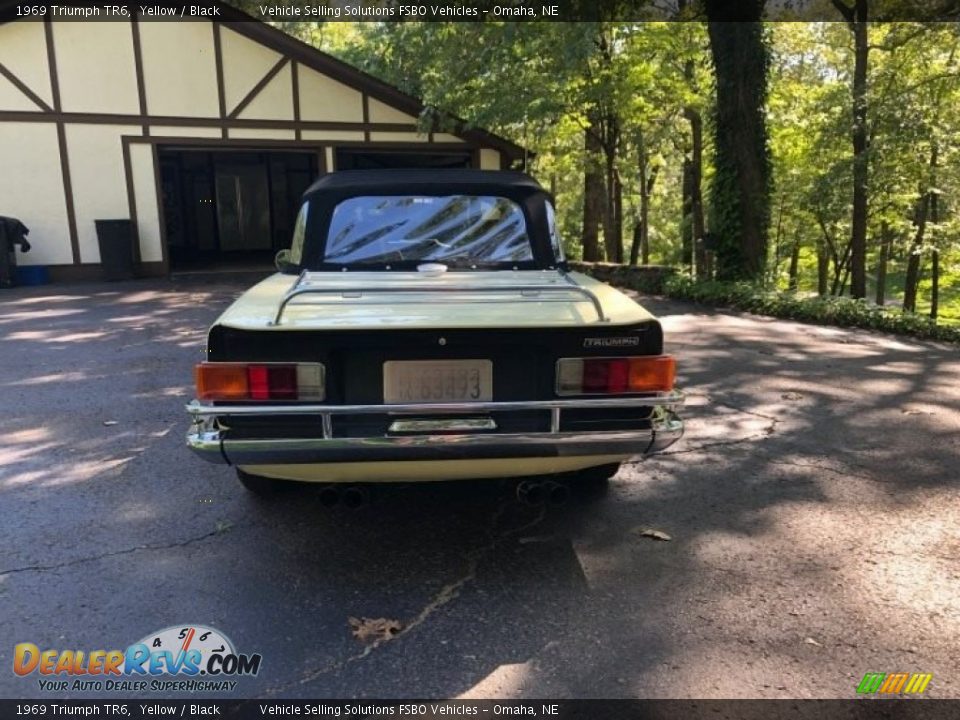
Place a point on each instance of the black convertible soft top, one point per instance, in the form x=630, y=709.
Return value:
x=425, y=181
x=330, y=190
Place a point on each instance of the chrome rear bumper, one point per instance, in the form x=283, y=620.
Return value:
x=211, y=440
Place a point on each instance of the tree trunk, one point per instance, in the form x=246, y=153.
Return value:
x=592, y=196
x=841, y=272
x=686, y=224
x=693, y=117
x=934, y=284
x=794, y=265
x=934, y=255
x=912, y=280
x=696, y=188
x=636, y=241
x=740, y=191
x=886, y=239
x=823, y=268
x=612, y=222
x=618, y=215
x=646, y=177
x=856, y=17
x=925, y=208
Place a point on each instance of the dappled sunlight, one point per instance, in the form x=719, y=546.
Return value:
x=46, y=300
x=911, y=368
x=179, y=391
x=136, y=512
x=33, y=316
x=54, y=476
x=506, y=681
x=21, y=437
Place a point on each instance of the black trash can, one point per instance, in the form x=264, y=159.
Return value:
x=12, y=233
x=115, y=238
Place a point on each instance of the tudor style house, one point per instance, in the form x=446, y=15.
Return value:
x=202, y=133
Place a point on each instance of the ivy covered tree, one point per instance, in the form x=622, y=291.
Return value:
x=740, y=191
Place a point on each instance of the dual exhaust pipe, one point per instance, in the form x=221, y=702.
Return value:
x=536, y=493
x=352, y=497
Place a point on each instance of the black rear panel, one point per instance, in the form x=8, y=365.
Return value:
x=524, y=359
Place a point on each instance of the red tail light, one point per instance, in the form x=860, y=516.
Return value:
x=615, y=375
x=260, y=381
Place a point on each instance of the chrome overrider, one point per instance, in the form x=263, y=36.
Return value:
x=210, y=436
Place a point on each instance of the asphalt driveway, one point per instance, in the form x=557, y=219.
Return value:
x=813, y=508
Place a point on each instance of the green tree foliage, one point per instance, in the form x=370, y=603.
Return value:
x=626, y=122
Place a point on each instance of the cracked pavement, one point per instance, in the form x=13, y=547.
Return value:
x=813, y=509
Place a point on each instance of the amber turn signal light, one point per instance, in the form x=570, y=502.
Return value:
x=615, y=375
x=259, y=381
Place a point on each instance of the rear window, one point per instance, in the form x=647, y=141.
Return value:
x=457, y=230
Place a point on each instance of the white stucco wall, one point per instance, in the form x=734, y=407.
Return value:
x=333, y=135
x=179, y=68
x=145, y=194
x=382, y=113
x=31, y=189
x=12, y=99
x=99, y=183
x=398, y=137
x=274, y=102
x=323, y=98
x=261, y=134
x=95, y=67
x=23, y=50
x=184, y=131
x=244, y=63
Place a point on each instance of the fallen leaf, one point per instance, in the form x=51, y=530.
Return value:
x=652, y=533
x=811, y=641
x=109, y=423
x=916, y=412
x=371, y=630
x=792, y=396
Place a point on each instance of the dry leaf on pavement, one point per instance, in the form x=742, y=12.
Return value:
x=370, y=630
x=652, y=534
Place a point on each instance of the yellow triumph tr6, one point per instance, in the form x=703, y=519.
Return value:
x=424, y=326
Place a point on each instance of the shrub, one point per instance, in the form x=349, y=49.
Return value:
x=840, y=311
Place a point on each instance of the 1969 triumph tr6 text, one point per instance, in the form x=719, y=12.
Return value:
x=424, y=326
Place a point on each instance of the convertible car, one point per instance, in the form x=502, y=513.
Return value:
x=423, y=326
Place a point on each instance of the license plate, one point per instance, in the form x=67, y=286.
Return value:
x=437, y=381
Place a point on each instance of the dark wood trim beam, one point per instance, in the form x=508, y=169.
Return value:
x=61, y=143
x=131, y=196
x=179, y=121
x=214, y=144
x=138, y=68
x=295, y=91
x=366, y=116
x=221, y=93
x=22, y=87
x=163, y=221
x=255, y=90
x=322, y=168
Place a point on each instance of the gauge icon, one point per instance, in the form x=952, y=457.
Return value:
x=178, y=640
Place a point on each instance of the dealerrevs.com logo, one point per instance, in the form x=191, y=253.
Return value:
x=180, y=658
